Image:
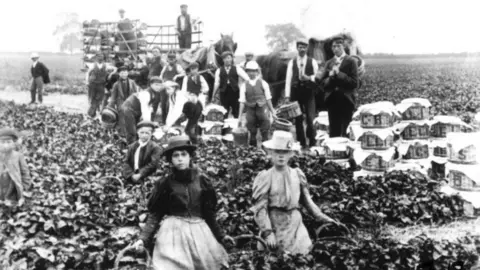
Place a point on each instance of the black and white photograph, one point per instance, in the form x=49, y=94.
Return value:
x=247, y=135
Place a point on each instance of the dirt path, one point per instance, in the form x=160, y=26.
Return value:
x=60, y=102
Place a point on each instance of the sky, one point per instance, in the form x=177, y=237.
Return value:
x=380, y=26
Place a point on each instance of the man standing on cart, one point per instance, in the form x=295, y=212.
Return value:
x=184, y=28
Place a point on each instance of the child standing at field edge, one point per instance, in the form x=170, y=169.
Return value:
x=14, y=173
x=277, y=196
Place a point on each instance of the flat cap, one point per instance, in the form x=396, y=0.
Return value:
x=147, y=124
x=193, y=65
x=121, y=10
x=183, y=5
x=227, y=53
x=172, y=55
x=122, y=68
x=8, y=133
x=252, y=65
x=302, y=41
x=338, y=38
x=249, y=53
x=155, y=79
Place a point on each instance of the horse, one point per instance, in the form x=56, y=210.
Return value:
x=208, y=58
x=274, y=65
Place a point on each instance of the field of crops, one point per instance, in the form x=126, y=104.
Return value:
x=79, y=216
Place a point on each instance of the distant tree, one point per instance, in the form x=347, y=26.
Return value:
x=69, y=32
x=282, y=36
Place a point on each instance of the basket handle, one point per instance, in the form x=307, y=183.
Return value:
x=251, y=236
x=127, y=248
x=122, y=187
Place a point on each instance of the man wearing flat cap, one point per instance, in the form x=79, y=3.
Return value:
x=40, y=77
x=122, y=89
x=171, y=72
x=248, y=57
x=156, y=64
x=227, y=80
x=195, y=83
x=143, y=156
x=14, y=173
x=340, y=80
x=300, y=86
x=184, y=28
x=141, y=106
x=97, y=78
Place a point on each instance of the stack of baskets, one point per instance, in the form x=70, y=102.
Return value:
x=463, y=169
x=440, y=127
x=285, y=116
x=373, y=138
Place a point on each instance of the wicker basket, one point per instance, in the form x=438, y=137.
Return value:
x=377, y=164
x=148, y=265
x=416, y=132
x=460, y=181
x=370, y=141
x=416, y=112
x=289, y=111
x=440, y=130
x=381, y=120
x=417, y=151
x=215, y=116
x=466, y=155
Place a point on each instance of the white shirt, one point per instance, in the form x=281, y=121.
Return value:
x=175, y=107
x=34, y=64
x=301, y=64
x=144, y=98
x=183, y=22
x=180, y=70
x=137, y=155
x=240, y=71
x=243, y=89
x=339, y=60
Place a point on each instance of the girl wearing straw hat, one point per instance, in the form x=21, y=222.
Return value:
x=182, y=208
x=278, y=194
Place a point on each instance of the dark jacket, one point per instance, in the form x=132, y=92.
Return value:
x=142, y=78
x=118, y=93
x=345, y=82
x=155, y=67
x=188, y=26
x=149, y=159
x=40, y=70
x=182, y=193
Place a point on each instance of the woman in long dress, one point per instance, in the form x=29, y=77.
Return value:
x=278, y=194
x=182, y=211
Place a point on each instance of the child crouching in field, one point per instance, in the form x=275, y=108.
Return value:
x=14, y=173
x=192, y=111
x=278, y=194
x=182, y=216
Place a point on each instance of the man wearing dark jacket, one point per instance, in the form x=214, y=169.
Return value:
x=143, y=156
x=340, y=80
x=40, y=77
x=156, y=65
x=300, y=86
x=184, y=28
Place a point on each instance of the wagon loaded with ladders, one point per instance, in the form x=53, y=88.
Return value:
x=130, y=40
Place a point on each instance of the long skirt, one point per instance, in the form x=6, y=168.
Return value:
x=187, y=243
x=290, y=233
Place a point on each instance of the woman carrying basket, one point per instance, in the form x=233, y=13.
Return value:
x=278, y=194
x=255, y=95
x=182, y=208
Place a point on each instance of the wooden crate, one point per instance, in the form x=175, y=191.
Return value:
x=440, y=130
x=459, y=181
x=466, y=155
x=416, y=132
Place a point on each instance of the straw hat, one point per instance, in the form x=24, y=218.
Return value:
x=181, y=142
x=281, y=140
x=9, y=133
x=252, y=65
x=34, y=55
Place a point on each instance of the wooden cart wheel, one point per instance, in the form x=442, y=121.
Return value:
x=127, y=248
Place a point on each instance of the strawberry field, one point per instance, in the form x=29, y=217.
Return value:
x=80, y=215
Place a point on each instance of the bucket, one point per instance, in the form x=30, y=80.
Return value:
x=240, y=136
